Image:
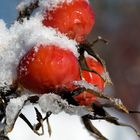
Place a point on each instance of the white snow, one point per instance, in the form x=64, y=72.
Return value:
x=6, y=55
x=32, y=32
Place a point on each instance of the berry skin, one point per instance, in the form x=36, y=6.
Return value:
x=48, y=68
x=74, y=19
x=86, y=98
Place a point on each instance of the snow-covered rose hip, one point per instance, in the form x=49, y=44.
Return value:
x=75, y=19
x=47, y=67
x=86, y=98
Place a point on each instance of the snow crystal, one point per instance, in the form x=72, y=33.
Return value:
x=55, y=104
x=13, y=108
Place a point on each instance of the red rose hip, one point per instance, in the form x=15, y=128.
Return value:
x=74, y=19
x=86, y=98
x=47, y=67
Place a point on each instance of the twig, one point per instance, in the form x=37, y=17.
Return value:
x=27, y=11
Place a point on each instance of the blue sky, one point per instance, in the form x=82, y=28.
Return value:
x=8, y=10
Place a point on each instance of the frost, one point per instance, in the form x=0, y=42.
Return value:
x=55, y=104
x=86, y=85
x=106, y=76
x=12, y=110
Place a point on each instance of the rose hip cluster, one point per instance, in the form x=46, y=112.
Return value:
x=51, y=67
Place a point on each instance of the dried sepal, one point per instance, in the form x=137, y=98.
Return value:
x=22, y=116
x=35, y=127
x=48, y=123
x=86, y=47
x=38, y=125
x=90, y=127
x=99, y=113
x=117, y=103
x=40, y=120
x=84, y=66
x=39, y=117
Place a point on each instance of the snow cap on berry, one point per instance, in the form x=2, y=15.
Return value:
x=32, y=32
x=20, y=38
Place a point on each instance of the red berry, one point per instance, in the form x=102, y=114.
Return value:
x=48, y=68
x=86, y=98
x=74, y=19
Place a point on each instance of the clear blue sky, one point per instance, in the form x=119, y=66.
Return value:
x=8, y=10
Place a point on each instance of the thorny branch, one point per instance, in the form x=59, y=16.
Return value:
x=99, y=113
